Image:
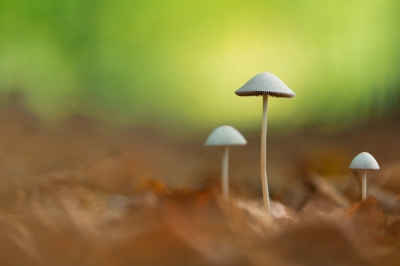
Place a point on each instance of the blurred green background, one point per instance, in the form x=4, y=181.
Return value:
x=177, y=63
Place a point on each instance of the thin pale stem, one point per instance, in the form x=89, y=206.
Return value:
x=364, y=185
x=225, y=178
x=264, y=179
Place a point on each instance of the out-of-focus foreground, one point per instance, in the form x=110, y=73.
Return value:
x=83, y=193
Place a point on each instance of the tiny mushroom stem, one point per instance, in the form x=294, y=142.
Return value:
x=364, y=161
x=225, y=136
x=265, y=84
x=364, y=185
x=264, y=179
x=225, y=180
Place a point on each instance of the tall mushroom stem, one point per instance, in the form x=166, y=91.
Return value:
x=264, y=179
x=224, y=180
x=364, y=185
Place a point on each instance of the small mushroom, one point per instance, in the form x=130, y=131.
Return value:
x=265, y=84
x=225, y=136
x=364, y=161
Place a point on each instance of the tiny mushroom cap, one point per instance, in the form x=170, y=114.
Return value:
x=364, y=161
x=265, y=83
x=225, y=135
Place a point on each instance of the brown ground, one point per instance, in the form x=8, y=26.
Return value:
x=83, y=193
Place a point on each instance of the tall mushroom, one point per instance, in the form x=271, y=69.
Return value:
x=265, y=84
x=225, y=136
x=364, y=161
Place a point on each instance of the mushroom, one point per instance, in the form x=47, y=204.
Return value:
x=364, y=161
x=265, y=84
x=225, y=136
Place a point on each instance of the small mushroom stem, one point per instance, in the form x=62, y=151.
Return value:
x=364, y=185
x=225, y=178
x=264, y=179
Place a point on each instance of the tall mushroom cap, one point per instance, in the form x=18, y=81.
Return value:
x=364, y=161
x=225, y=135
x=265, y=83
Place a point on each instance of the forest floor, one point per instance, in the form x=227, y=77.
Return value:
x=84, y=193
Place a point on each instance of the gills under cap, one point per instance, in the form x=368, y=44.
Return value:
x=225, y=136
x=265, y=83
x=364, y=161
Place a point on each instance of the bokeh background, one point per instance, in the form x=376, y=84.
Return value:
x=176, y=64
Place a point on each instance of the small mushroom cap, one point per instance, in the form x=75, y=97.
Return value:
x=265, y=83
x=364, y=161
x=225, y=136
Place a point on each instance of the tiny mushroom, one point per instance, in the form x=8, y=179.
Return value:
x=364, y=161
x=265, y=84
x=225, y=136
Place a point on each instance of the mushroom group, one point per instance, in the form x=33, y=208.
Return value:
x=266, y=84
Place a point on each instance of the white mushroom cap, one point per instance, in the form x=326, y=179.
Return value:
x=225, y=136
x=265, y=83
x=364, y=161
